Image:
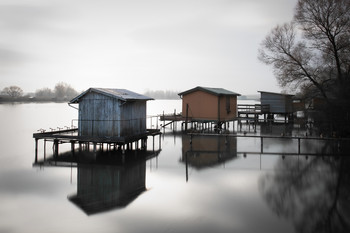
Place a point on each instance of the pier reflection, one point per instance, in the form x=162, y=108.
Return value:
x=106, y=180
x=201, y=152
x=313, y=193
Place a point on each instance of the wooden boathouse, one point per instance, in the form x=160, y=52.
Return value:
x=112, y=116
x=278, y=103
x=271, y=104
x=105, y=112
x=206, y=104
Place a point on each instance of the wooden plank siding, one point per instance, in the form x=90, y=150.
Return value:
x=133, y=118
x=204, y=106
x=279, y=103
x=99, y=115
x=104, y=116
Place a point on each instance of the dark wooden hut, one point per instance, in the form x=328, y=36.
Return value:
x=106, y=112
x=209, y=104
x=279, y=103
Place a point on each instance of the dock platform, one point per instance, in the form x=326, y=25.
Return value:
x=71, y=136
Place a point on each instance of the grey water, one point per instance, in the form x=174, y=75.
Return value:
x=208, y=186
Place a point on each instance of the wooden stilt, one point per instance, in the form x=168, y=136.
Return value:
x=44, y=149
x=36, y=150
x=72, y=143
x=55, y=148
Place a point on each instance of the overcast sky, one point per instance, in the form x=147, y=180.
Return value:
x=138, y=44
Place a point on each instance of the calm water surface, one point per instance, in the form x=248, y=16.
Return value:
x=209, y=187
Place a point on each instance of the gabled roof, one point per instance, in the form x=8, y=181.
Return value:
x=274, y=93
x=214, y=91
x=122, y=94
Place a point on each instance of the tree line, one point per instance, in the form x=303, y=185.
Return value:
x=161, y=94
x=61, y=92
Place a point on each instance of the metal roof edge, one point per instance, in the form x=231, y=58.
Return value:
x=209, y=90
x=275, y=93
x=107, y=92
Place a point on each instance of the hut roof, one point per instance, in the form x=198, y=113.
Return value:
x=274, y=93
x=122, y=94
x=214, y=91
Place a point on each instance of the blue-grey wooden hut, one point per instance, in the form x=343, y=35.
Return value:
x=279, y=103
x=106, y=112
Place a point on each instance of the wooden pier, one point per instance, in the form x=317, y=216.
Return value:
x=246, y=113
x=337, y=143
x=71, y=136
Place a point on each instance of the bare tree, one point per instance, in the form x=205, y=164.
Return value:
x=313, y=51
x=13, y=91
x=64, y=91
x=44, y=93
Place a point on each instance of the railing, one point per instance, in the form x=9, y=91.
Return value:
x=253, y=108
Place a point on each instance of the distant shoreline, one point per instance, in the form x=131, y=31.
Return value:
x=6, y=100
x=29, y=99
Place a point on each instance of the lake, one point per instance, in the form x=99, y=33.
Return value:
x=209, y=186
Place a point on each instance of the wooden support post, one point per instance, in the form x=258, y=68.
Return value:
x=160, y=142
x=55, y=148
x=44, y=149
x=262, y=144
x=144, y=144
x=186, y=119
x=298, y=145
x=72, y=142
x=36, y=150
x=186, y=162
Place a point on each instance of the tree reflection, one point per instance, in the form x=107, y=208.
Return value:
x=313, y=193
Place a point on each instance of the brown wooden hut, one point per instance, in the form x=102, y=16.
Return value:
x=106, y=112
x=205, y=104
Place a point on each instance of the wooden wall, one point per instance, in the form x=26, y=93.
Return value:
x=208, y=107
x=101, y=115
x=278, y=103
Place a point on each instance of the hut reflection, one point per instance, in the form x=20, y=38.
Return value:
x=104, y=187
x=206, y=151
x=106, y=180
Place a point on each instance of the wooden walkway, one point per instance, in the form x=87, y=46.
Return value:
x=337, y=143
x=71, y=136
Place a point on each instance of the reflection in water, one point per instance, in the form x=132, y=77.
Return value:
x=313, y=193
x=106, y=180
x=104, y=187
x=207, y=151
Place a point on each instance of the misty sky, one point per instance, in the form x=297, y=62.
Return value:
x=138, y=44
